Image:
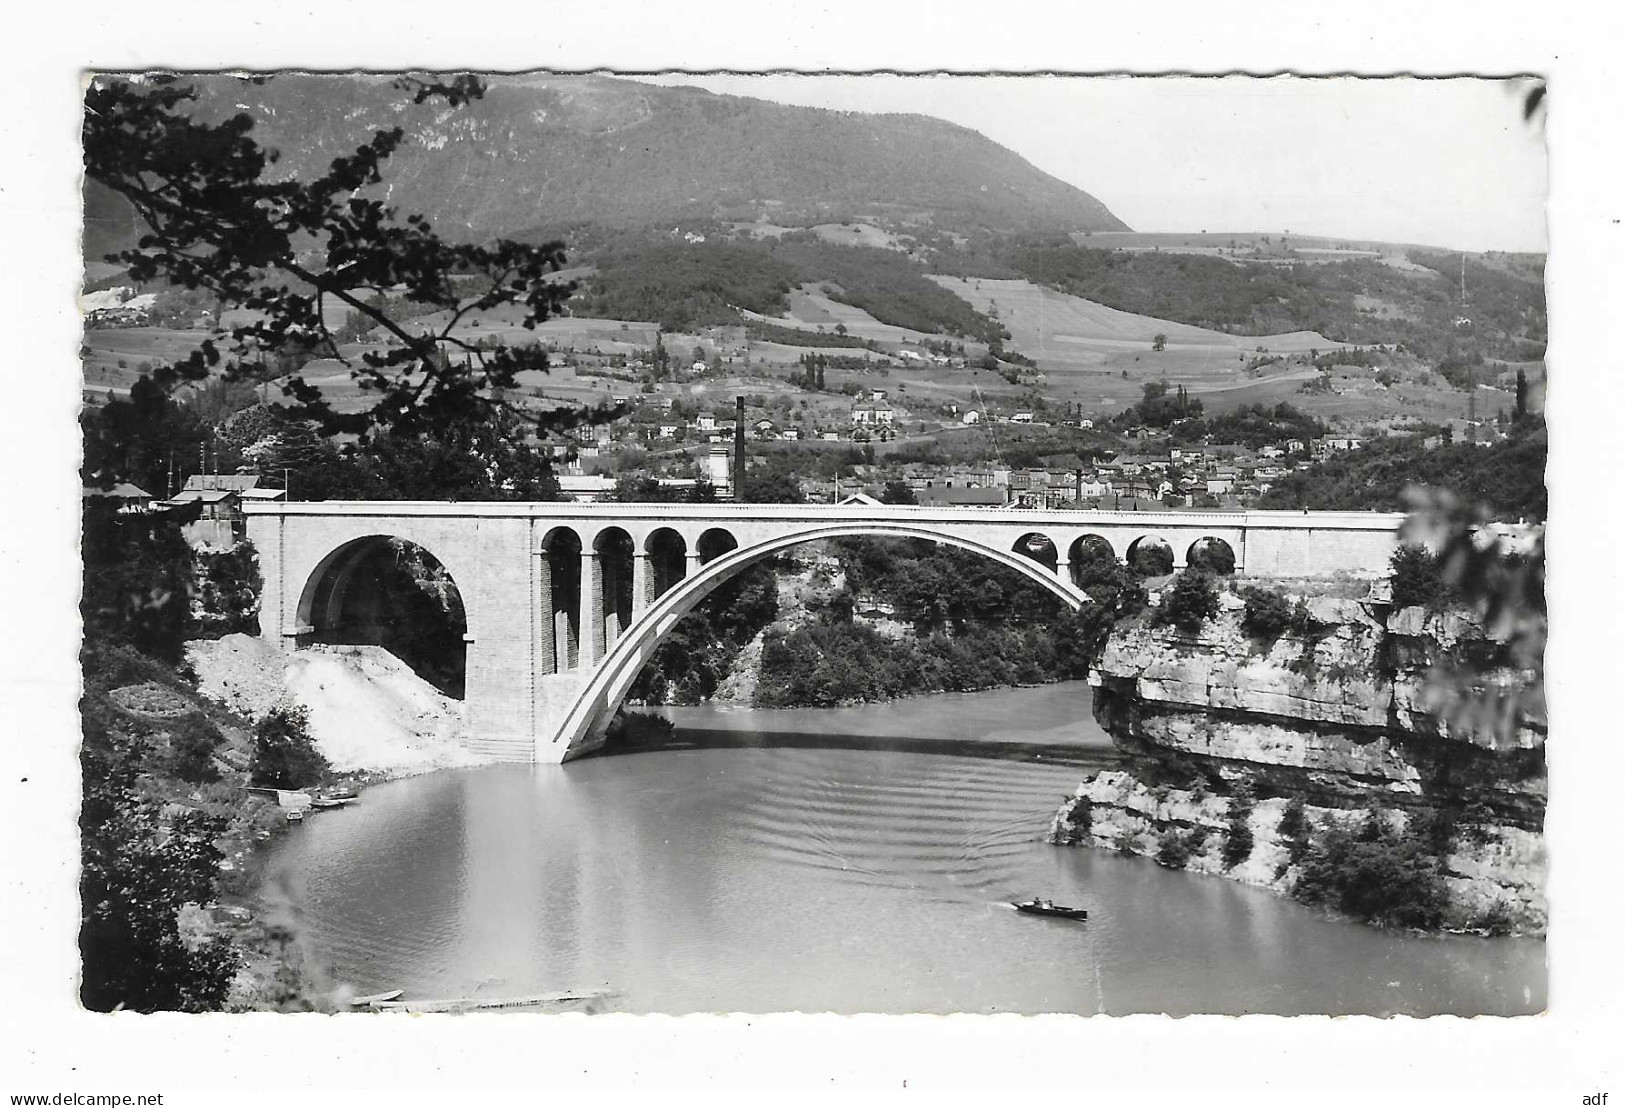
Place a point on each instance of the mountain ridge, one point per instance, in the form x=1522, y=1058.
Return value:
x=555, y=149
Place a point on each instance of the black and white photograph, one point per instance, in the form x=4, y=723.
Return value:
x=564, y=544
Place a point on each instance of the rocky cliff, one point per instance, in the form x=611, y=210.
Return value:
x=1342, y=720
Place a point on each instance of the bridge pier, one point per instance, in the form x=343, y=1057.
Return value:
x=643, y=582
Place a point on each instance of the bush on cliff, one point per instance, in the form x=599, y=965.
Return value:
x=1193, y=600
x=1294, y=828
x=1418, y=578
x=285, y=754
x=1267, y=613
x=1173, y=849
x=1238, y=840
x=1375, y=873
x=1079, y=818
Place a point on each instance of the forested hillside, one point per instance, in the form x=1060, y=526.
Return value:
x=1507, y=477
x=548, y=151
x=683, y=285
x=1362, y=301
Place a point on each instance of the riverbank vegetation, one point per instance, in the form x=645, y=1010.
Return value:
x=877, y=619
x=1508, y=477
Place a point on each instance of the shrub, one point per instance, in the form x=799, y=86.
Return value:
x=1126, y=841
x=1375, y=874
x=1193, y=600
x=1173, y=849
x=1267, y=612
x=1080, y=819
x=285, y=755
x=192, y=741
x=1417, y=577
x=1238, y=842
x=1294, y=828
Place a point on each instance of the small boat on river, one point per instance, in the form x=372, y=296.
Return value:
x=1041, y=907
x=375, y=998
x=331, y=801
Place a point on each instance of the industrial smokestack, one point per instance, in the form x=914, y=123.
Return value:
x=739, y=443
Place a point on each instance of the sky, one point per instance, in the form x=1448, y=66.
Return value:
x=1441, y=162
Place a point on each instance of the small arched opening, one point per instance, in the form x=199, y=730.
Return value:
x=1090, y=557
x=713, y=544
x=1214, y=555
x=561, y=598
x=668, y=560
x=613, y=601
x=389, y=592
x=1150, y=556
x=1039, y=548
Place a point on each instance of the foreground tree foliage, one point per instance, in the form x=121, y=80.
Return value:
x=220, y=220
x=140, y=868
x=138, y=579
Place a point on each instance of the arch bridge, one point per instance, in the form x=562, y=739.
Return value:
x=561, y=604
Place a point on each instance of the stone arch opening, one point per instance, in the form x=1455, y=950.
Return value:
x=1040, y=548
x=1150, y=556
x=385, y=591
x=1087, y=556
x=1212, y=554
x=601, y=696
x=613, y=552
x=561, y=599
x=667, y=552
x=713, y=544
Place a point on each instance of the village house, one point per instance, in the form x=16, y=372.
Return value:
x=220, y=498
x=869, y=413
x=128, y=497
x=1222, y=481
x=943, y=496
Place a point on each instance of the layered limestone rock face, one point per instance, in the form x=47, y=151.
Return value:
x=1342, y=713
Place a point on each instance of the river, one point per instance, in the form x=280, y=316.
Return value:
x=757, y=873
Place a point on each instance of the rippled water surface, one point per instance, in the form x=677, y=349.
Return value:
x=772, y=879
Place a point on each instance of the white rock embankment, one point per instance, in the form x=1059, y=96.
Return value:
x=1503, y=873
x=368, y=711
x=1339, y=717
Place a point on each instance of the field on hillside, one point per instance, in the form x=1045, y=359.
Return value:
x=113, y=356
x=1251, y=246
x=810, y=310
x=1085, y=348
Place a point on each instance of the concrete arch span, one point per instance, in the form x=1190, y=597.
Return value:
x=602, y=693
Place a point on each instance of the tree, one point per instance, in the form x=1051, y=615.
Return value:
x=1159, y=341
x=1520, y=404
x=285, y=754
x=897, y=492
x=1193, y=600
x=220, y=219
x=138, y=871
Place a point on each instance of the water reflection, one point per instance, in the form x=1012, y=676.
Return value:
x=840, y=880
